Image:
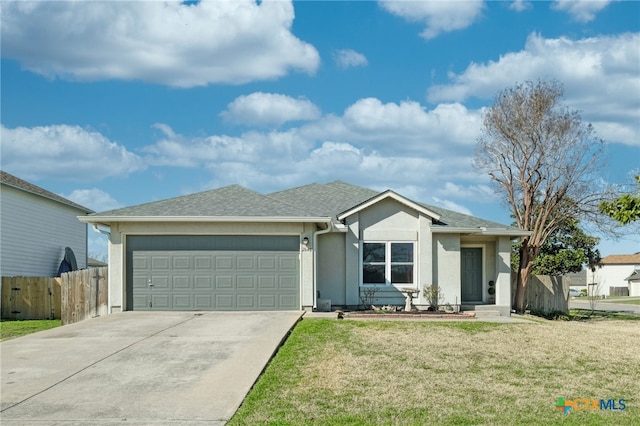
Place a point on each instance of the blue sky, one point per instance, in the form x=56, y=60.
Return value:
x=119, y=103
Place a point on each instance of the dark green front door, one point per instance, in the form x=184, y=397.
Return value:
x=471, y=274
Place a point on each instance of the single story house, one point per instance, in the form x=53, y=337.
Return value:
x=36, y=227
x=236, y=249
x=614, y=271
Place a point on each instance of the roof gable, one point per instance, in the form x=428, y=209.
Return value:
x=23, y=185
x=389, y=195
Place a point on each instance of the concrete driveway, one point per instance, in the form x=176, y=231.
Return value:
x=140, y=368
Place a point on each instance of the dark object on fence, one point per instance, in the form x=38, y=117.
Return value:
x=68, y=263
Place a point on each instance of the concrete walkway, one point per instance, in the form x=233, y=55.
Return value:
x=139, y=368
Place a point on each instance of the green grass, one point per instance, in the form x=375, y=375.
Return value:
x=626, y=301
x=587, y=315
x=10, y=329
x=448, y=373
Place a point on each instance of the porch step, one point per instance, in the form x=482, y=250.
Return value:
x=481, y=311
x=484, y=313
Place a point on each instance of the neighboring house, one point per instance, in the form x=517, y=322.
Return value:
x=35, y=228
x=576, y=280
x=236, y=249
x=634, y=283
x=614, y=271
x=95, y=263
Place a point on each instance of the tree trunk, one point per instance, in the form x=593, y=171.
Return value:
x=524, y=272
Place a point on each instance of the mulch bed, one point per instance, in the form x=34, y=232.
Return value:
x=420, y=315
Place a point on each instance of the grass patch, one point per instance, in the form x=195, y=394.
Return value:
x=459, y=373
x=625, y=301
x=10, y=329
x=587, y=315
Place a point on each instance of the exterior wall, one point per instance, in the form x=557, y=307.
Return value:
x=503, y=273
x=609, y=276
x=35, y=232
x=331, y=269
x=387, y=220
x=117, y=249
x=446, y=266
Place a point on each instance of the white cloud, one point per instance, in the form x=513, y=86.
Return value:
x=438, y=16
x=580, y=10
x=269, y=109
x=94, y=198
x=64, y=152
x=451, y=205
x=165, y=42
x=347, y=58
x=600, y=76
x=520, y=5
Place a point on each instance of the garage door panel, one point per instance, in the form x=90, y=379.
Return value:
x=224, y=301
x=245, y=263
x=246, y=282
x=224, y=282
x=288, y=283
x=224, y=263
x=181, y=301
x=160, y=262
x=203, y=301
x=246, y=302
x=267, y=301
x=181, y=282
x=203, y=282
x=202, y=262
x=214, y=280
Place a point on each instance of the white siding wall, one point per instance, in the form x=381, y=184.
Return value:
x=446, y=266
x=34, y=232
x=609, y=276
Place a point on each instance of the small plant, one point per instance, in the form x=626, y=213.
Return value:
x=367, y=296
x=434, y=297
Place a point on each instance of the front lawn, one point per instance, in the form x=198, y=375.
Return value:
x=464, y=373
x=16, y=328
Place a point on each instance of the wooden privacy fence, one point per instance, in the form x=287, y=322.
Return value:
x=545, y=294
x=73, y=297
x=84, y=294
x=31, y=298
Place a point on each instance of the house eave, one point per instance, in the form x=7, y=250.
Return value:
x=479, y=231
x=106, y=220
x=384, y=195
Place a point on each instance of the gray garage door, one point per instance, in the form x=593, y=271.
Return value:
x=240, y=273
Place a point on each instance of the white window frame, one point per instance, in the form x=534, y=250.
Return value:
x=388, y=264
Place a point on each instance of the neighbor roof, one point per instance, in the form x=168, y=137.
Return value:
x=23, y=185
x=310, y=203
x=621, y=259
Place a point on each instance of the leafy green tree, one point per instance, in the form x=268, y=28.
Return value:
x=544, y=161
x=625, y=209
x=568, y=249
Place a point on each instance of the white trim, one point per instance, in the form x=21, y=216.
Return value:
x=439, y=229
x=385, y=195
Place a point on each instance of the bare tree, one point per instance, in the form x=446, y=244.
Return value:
x=544, y=160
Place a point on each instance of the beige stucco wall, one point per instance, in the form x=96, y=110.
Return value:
x=332, y=268
x=117, y=250
x=446, y=266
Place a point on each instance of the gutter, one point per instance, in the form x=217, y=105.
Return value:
x=480, y=231
x=269, y=219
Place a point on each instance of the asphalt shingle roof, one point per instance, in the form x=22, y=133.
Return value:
x=233, y=200
x=313, y=200
x=621, y=259
x=23, y=185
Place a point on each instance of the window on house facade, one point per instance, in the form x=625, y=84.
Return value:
x=388, y=262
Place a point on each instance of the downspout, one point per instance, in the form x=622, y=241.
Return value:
x=315, y=261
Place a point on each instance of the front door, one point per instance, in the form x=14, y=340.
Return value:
x=471, y=274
